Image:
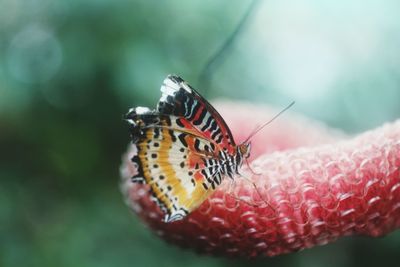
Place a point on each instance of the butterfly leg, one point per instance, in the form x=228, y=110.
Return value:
x=257, y=190
x=231, y=194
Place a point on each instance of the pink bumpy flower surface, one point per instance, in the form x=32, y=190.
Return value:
x=314, y=185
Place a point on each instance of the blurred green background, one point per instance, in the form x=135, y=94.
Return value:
x=69, y=70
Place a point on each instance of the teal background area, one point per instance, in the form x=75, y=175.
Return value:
x=69, y=70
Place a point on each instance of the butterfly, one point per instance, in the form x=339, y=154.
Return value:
x=184, y=148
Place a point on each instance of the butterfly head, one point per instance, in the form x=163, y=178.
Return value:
x=244, y=149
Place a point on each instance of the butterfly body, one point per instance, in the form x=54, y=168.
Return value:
x=184, y=149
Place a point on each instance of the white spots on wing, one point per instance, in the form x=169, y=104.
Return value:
x=130, y=121
x=170, y=87
x=163, y=97
x=186, y=87
x=141, y=110
x=166, y=91
x=175, y=216
x=168, y=82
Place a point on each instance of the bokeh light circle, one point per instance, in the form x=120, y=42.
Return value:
x=34, y=55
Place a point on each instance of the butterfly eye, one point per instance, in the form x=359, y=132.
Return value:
x=245, y=150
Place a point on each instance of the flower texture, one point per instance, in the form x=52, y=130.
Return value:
x=306, y=185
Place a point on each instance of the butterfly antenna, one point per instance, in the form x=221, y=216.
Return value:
x=268, y=122
x=222, y=54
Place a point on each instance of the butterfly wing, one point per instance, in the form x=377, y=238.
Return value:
x=178, y=165
x=194, y=112
x=179, y=145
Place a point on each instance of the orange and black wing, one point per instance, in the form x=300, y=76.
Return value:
x=194, y=112
x=178, y=165
x=179, y=148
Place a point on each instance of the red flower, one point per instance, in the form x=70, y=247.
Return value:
x=315, y=186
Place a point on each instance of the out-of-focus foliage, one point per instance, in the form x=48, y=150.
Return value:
x=69, y=70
